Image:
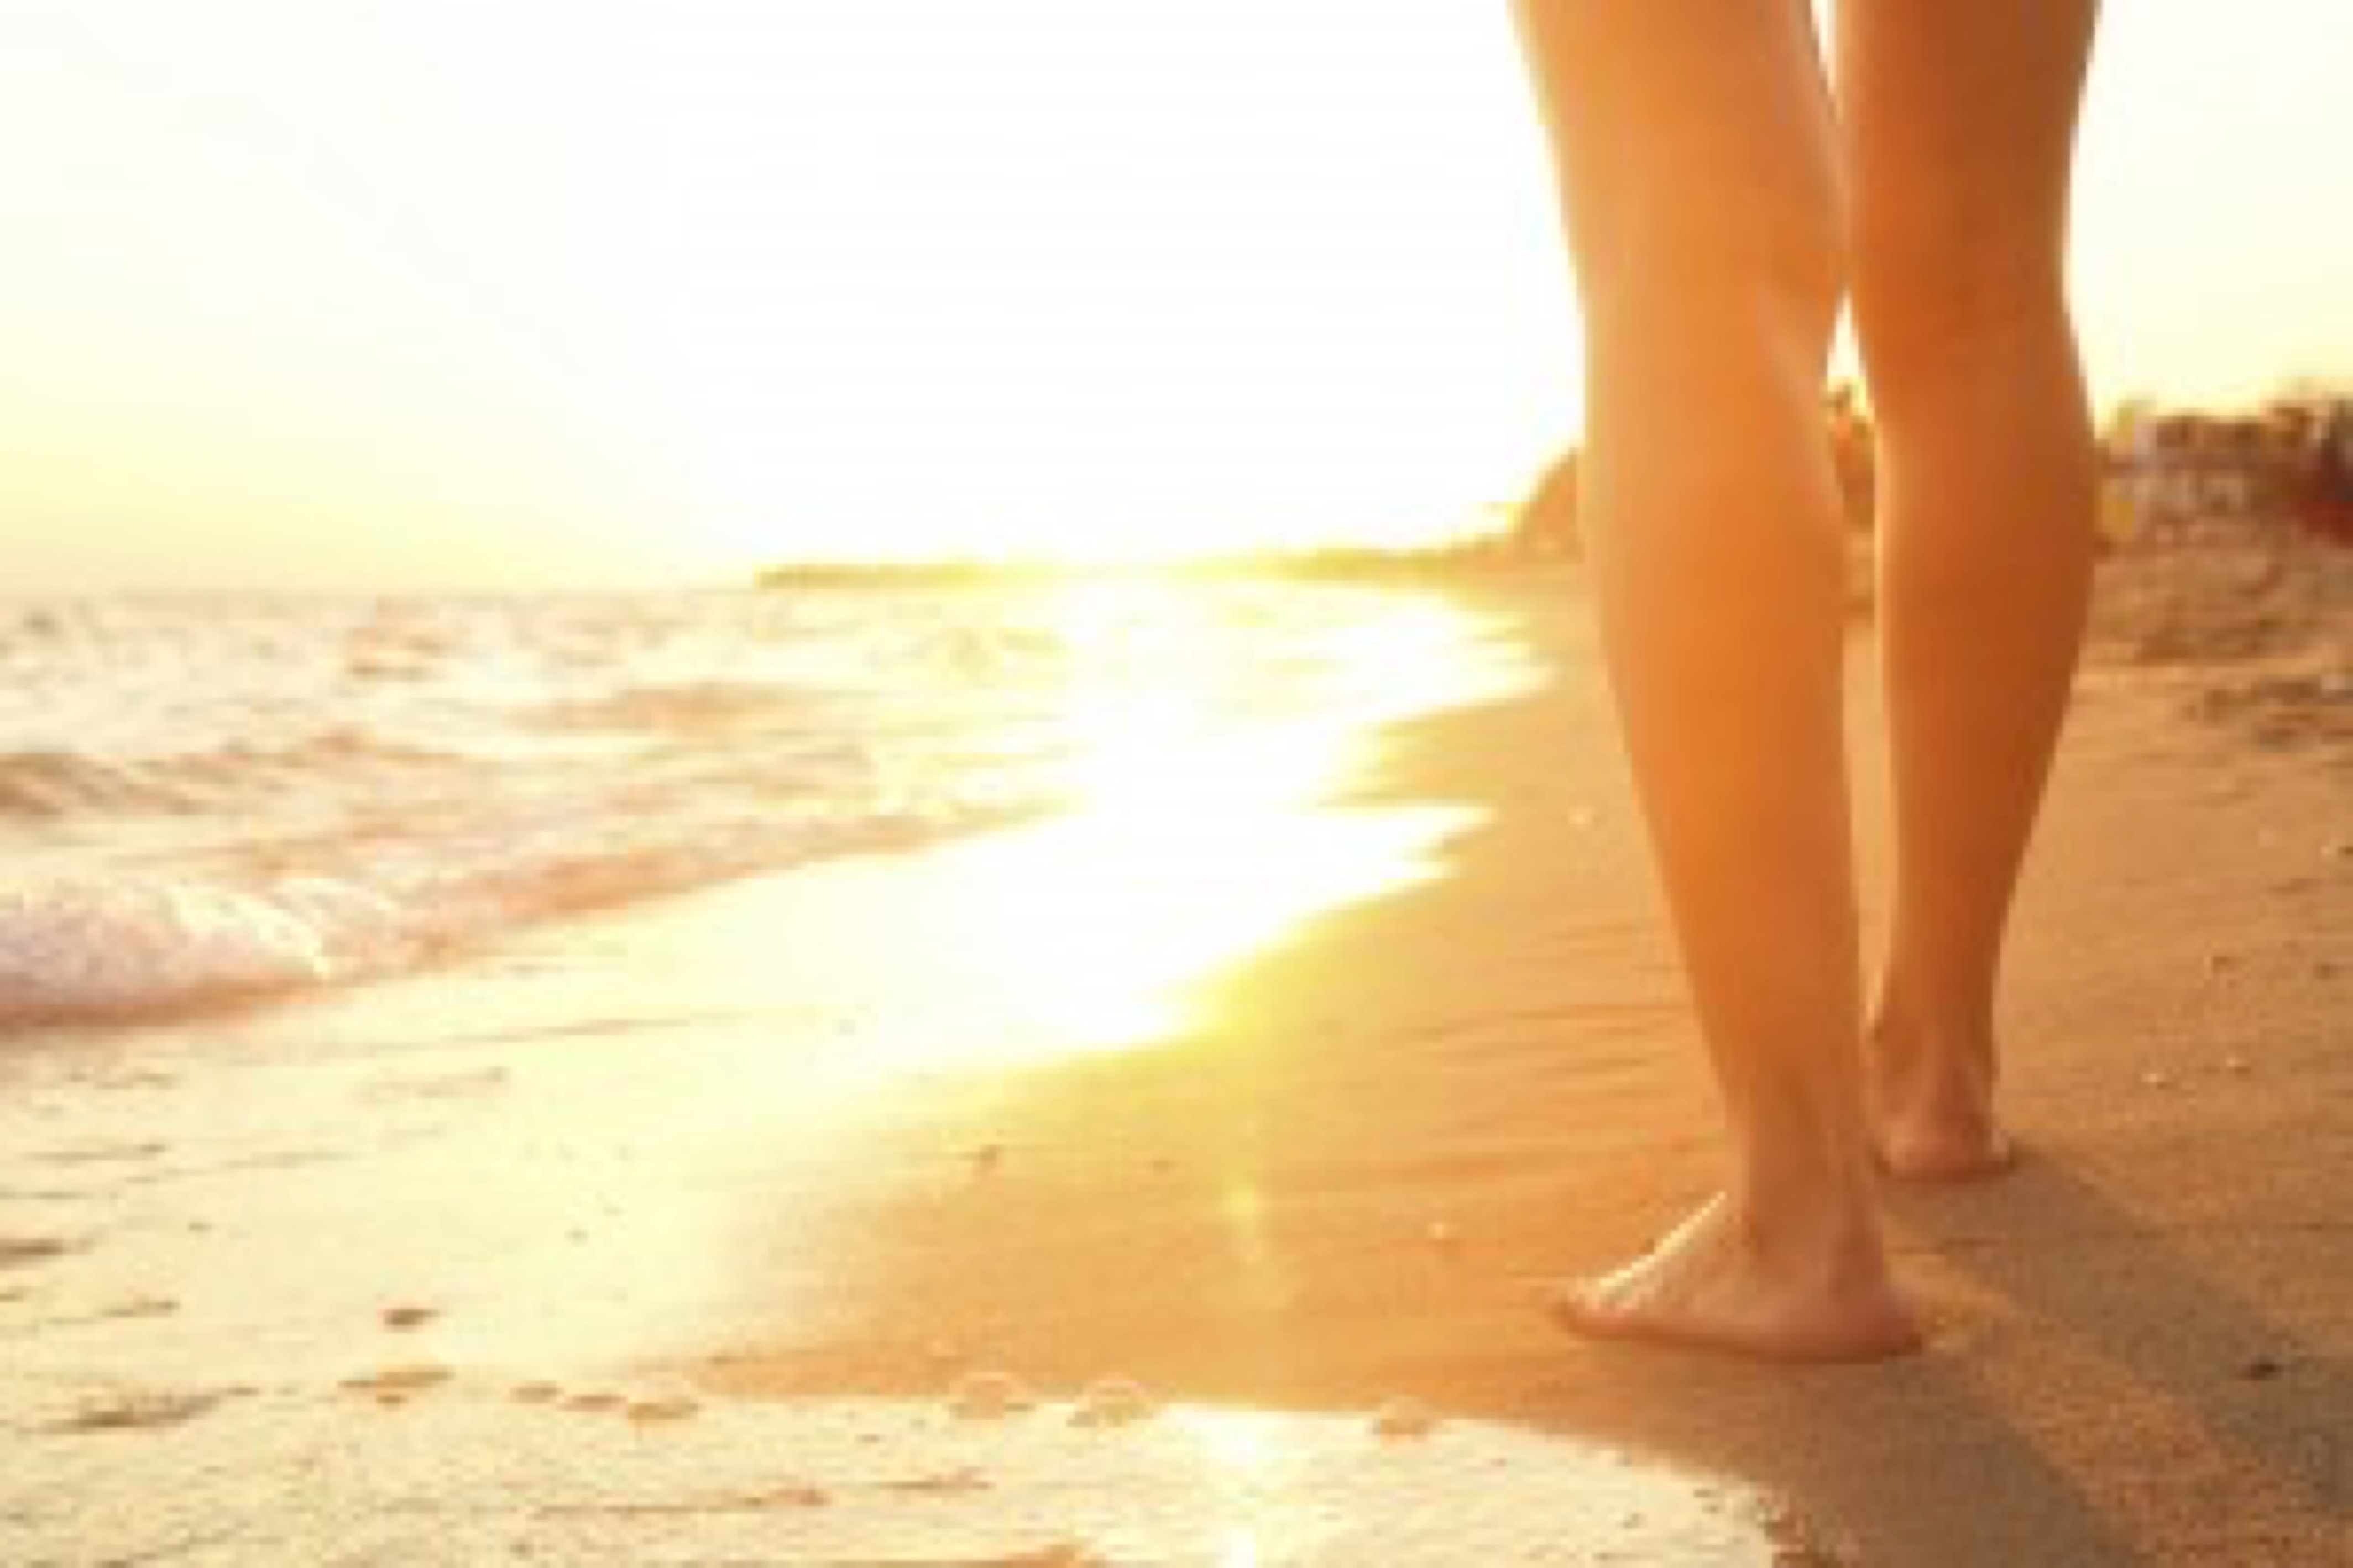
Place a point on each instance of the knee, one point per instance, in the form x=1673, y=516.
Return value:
x=1929, y=305
x=1682, y=256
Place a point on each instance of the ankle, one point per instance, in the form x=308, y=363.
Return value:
x=1911, y=1037
x=1832, y=1237
x=1809, y=1186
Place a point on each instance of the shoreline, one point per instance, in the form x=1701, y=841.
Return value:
x=699, y=1158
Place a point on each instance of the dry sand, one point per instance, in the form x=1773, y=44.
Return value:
x=666, y=1236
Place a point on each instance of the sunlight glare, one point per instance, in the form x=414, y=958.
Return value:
x=1203, y=822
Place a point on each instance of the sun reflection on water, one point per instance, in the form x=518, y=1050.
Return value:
x=1216, y=786
x=1208, y=812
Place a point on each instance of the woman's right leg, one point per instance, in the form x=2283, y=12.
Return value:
x=1959, y=122
x=1699, y=174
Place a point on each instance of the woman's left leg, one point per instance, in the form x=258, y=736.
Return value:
x=1700, y=180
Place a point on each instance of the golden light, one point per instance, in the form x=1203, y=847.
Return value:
x=1204, y=822
x=555, y=290
x=545, y=291
x=1203, y=819
x=1245, y=1445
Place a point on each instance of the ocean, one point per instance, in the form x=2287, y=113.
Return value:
x=214, y=800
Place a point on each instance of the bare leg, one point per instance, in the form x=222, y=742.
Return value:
x=1699, y=176
x=1959, y=123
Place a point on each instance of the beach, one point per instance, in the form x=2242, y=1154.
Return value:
x=678, y=1230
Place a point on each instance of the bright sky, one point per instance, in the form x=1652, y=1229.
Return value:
x=392, y=292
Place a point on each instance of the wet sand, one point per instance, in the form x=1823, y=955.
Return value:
x=582, y=1248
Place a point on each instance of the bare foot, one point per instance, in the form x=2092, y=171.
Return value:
x=1713, y=1285
x=1931, y=1109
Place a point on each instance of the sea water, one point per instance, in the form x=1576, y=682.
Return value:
x=212, y=799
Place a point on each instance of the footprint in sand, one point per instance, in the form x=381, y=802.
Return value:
x=137, y=1410
x=594, y=1404
x=651, y=1412
x=24, y=1251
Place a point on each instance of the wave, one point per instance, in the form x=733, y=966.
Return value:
x=45, y=785
x=104, y=951
x=702, y=704
x=210, y=803
x=133, y=948
x=50, y=785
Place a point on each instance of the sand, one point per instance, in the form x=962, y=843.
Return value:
x=678, y=1234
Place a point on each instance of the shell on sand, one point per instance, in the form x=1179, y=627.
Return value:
x=1403, y=1418
x=1113, y=1401
x=985, y=1395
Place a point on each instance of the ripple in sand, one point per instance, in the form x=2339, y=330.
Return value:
x=946, y=1483
x=441, y=1086
x=129, y=1309
x=103, y=1153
